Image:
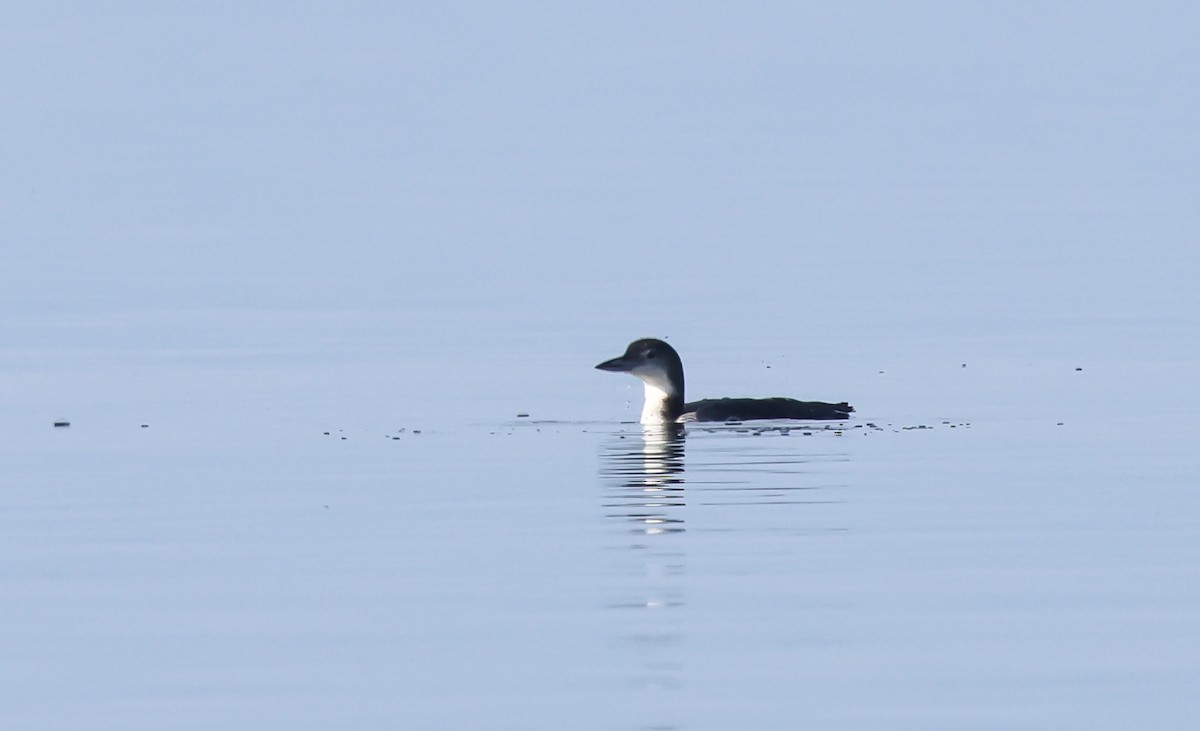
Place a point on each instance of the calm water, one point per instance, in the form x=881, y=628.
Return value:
x=231, y=564
x=292, y=277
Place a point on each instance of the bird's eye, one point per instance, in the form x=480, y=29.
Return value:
x=649, y=353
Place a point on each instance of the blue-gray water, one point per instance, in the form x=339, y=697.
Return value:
x=291, y=278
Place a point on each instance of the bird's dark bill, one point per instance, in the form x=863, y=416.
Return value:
x=618, y=365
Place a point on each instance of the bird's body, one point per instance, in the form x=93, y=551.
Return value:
x=746, y=409
x=661, y=370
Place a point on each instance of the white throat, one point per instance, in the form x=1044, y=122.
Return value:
x=654, y=408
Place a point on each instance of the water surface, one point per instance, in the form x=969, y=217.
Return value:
x=292, y=277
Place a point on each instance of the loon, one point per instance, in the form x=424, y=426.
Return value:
x=659, y=367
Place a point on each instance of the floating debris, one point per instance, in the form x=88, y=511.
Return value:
x=62, y=423
x=522, y=415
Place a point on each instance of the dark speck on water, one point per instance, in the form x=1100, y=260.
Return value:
x=62, y=423
x=522, y=415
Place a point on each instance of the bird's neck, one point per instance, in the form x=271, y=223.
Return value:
x=661, y=406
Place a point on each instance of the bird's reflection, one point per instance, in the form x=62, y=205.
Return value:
x=643, y=478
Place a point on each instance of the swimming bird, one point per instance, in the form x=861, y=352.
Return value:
x=661, y=370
